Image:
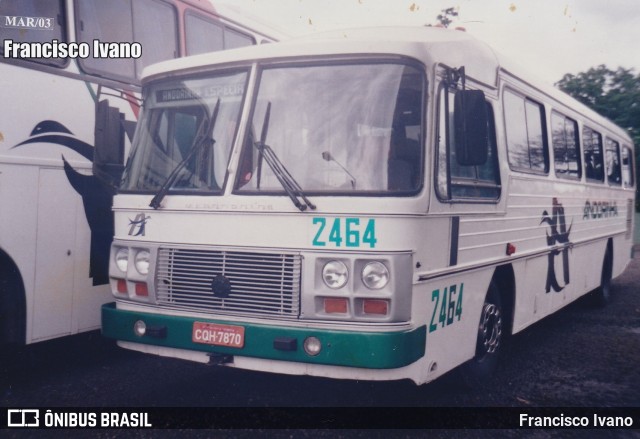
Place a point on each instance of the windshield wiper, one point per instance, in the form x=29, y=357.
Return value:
x=204, y=138
x=290, y=185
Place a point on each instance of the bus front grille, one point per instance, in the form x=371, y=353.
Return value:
x=229, y=282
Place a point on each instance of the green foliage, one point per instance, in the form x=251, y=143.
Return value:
x=615, y=94
x=444, y=19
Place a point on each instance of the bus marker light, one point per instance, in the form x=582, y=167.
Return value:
x=139, y=328
x=142, y=290
x=375, y=306
x=335, y=305
x=511, y=249
x=312, y=346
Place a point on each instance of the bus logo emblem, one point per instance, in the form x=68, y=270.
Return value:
x=559, y=235
x=221, y=286
x=138, y=225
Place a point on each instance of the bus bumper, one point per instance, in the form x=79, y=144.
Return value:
x=370, y=350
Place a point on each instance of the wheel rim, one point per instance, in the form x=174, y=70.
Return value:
x=490, y=329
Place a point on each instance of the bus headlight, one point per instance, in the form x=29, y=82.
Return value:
x=142, y=261
x=375, y=275
x=335, y=274
x=122, y=259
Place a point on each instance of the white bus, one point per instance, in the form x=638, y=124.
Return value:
x=56, y=224
x=374, y=204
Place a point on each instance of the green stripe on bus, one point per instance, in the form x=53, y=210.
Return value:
x=371, y=350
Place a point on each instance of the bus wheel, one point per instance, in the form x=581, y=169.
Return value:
x=602, y=295
x=490, y=338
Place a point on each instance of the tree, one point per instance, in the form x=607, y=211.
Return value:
x=615, y=94
x=445, y=18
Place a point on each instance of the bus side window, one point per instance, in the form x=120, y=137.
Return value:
x=202, y=34
x=456, y=181
x=627, y=167
x=593, y=156
x=566, y=148
x=612, y=155
x=526, y=134
x=126, y=21
x=33, y=21
x=206, y=35
x=160, y=41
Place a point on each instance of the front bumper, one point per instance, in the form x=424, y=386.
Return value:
x=370, y=350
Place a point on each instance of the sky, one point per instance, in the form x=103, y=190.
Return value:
x=547, y=37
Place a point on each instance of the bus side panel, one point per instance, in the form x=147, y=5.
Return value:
x=454, y=305
x=44, y=217
x=18, y=223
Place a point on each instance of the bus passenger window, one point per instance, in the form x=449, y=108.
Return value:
x=526, y=135
x=126, y=21
x=627, y=167
x=612, y=154
x=456, y=181
x=157, y=45
x=202, y=34
x=205, y=35
x=593, y=157
x=233, y=39
x=566, y=148
x=49, y=26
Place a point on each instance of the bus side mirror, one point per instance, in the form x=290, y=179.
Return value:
x=471, y=131
x=108, y=156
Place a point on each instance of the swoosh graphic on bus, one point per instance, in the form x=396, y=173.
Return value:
x=96, y=199
x=50, y=131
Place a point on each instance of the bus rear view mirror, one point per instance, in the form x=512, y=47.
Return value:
x=108, y=156
x=471, y=128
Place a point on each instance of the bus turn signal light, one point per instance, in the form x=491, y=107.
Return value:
x=142, y=289
x=375, y=306
x=121, y=286
x=335, y=305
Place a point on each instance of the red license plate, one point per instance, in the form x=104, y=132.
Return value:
x=218, y=335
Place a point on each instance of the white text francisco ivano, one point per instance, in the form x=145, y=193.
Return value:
x=60, y=49
x=575, y=421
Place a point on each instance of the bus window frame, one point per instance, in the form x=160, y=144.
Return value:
x=600, y=146
x=566, y=175
x=632, y=174
x=618, y=153
x=544, y=136
x=493, y=143
x=136, y=78
x=224, y=27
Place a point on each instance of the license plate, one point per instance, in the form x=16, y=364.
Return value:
x=218, y=335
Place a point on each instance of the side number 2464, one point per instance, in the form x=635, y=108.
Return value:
x=447, y=308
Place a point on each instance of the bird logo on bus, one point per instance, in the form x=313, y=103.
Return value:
x=559, y=235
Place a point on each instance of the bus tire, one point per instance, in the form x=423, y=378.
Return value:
x=489, y=341
x=12, y=303
x=602, y=295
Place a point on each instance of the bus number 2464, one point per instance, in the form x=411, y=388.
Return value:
x=344, y=232
x=447, y=308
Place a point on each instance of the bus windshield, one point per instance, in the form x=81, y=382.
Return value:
x=176, y=116
x=337, y=128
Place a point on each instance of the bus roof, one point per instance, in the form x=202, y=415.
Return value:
x=430, y=45
x=423, y=43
